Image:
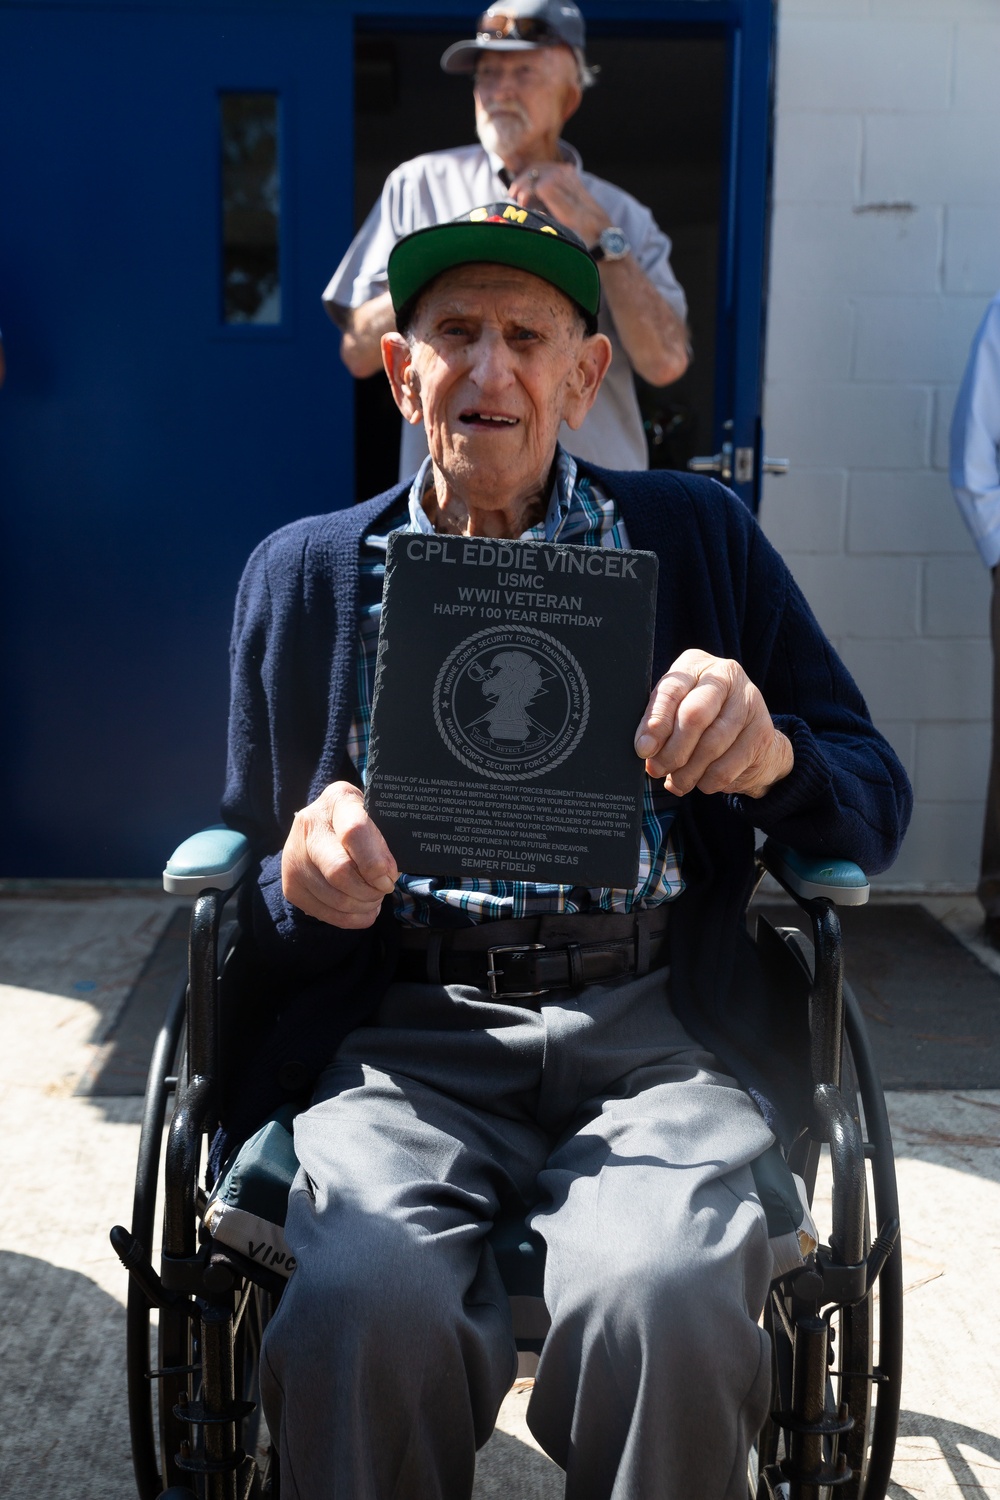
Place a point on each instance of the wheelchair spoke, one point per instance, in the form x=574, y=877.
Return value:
x=173, y=1370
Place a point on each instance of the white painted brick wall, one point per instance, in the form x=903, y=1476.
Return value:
x=885, y=250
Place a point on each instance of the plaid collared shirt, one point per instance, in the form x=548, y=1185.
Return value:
x=578, y=512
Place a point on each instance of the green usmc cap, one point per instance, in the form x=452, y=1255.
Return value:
x=500, y=234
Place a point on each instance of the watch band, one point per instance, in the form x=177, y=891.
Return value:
x=611, y=245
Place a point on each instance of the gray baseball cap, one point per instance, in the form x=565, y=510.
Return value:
x=521, y=26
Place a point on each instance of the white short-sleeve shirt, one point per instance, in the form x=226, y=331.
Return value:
x=440, y=185
x=975, y=438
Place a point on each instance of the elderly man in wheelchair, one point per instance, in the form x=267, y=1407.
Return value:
x=628, y=1117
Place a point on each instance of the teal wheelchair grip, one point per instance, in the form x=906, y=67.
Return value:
x=214, y=859
x=810, y=878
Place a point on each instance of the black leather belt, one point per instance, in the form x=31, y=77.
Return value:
x=524, y=959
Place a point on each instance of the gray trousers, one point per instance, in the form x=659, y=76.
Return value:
x=391, y=1350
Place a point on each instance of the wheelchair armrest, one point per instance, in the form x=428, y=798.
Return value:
x=215, y=859
x=837, y=880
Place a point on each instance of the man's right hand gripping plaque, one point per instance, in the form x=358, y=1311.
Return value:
x=510, y=682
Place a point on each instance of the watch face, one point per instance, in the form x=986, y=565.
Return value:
x=614, y=244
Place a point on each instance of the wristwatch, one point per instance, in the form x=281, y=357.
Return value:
x=611, y=244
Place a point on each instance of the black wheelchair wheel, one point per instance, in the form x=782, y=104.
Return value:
x=868, y=1349
x=852, y=1331
x=886, y=1374
x=868, y=1386
x=178, y=1358
x=142, y=1378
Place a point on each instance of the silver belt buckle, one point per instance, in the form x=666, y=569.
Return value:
x=493, y=973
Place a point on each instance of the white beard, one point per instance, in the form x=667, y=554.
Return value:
x=502, y=135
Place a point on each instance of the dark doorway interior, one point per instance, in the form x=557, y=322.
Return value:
x=654, y=125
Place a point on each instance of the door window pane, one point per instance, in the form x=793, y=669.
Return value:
x=251, y=208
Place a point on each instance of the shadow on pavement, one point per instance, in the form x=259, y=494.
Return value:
x=948, y=1436
x=509, y=1469
x=957, y=1130
x=932, y=1009
x=63, y=1418
x=119, y=1067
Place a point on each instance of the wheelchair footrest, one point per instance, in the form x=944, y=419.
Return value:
x=195, y=1464
x=195, y=1413
x=819, y=1477
x=825, y=1426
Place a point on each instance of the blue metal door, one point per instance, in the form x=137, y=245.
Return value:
x=151, y=433
x=167, y=405
x=739, y=453
x=748, y=27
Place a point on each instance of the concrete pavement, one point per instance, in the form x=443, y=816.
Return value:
x=66, y=966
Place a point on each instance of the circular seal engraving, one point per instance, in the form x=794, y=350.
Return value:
x=511, y=702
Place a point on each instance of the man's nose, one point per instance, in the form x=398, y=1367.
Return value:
x=501, y=89
x=492, y=362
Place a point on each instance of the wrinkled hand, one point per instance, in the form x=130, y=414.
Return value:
x=707, y=726
x=335, y=864
x=558, y=188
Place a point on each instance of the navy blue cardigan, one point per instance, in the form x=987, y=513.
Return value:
x=723, y=588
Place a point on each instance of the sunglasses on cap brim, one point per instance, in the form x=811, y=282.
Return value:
x=496, y=27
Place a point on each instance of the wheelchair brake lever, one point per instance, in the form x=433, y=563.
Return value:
x=848, y=1285
x=885, y=1243
x=139, y=1266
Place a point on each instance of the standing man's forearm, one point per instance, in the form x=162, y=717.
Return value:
x=653, y=336
x=363, y=327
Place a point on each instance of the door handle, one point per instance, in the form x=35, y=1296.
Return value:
x=739, y=461
x=720, y=463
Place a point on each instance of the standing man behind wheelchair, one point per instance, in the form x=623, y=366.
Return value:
x=530, y=72
x=625, y=1110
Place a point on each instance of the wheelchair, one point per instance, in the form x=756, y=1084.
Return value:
x=834, y=1315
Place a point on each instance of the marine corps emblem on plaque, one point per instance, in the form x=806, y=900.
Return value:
x=511, y=703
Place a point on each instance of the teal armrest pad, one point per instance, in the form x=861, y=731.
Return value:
x=214, y=859
x=839, y=880
x=248, y=1205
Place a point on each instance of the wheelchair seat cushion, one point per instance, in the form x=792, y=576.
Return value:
x=247, y=1207
x=790, y=1226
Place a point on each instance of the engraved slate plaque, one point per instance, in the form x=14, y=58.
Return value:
x=510, y=681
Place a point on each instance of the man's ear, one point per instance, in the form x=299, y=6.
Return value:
x=572, y=100
x=565, y=67
x=592, y=366
x=397, y=357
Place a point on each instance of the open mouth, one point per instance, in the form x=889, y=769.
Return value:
x=487, y=419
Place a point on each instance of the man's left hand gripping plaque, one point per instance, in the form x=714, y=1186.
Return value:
x=510, y=681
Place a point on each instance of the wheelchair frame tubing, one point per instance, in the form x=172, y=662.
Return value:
x=812, y=1427
x=827, y=991
x=213, y=1410
x=193, y=1108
